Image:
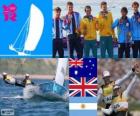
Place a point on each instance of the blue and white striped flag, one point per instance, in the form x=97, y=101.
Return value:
x=83, y=106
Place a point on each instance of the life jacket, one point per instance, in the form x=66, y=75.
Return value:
x=8, y=78
x=28, y=82
x=120, y=103
x=107, y=92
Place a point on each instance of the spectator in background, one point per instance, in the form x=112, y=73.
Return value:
x=88, y=28
x=58, y=34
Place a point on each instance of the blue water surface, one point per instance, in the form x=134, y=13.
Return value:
x=32, y=107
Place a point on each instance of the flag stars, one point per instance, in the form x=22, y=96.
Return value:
x=86, y=66
x=76, y=72
x=90, y=74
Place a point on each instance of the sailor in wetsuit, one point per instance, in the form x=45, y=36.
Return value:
x=119, y=103
x=27, y=80
x=8, y=79
x=105, y=91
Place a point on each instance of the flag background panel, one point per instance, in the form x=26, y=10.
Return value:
x=83, y=113
x=83, y=99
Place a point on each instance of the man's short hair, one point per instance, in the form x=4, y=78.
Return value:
x=135, y=4
x=57, y=9
x=124, y=9
x=87, y=7
x=103, y=3
x=69, y=3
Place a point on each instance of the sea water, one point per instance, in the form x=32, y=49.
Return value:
x=11, y=98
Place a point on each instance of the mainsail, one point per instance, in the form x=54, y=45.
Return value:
x=61, y=71
x=33, y=29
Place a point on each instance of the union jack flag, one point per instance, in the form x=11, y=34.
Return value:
x=82, y=87
x=84, y=67
x=76, y=62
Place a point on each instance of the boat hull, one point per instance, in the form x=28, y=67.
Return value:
x=50, y=91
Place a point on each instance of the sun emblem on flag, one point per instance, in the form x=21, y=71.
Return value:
x=83, y=106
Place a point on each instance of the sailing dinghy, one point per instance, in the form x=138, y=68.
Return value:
x=52, y=90
x=30, y=34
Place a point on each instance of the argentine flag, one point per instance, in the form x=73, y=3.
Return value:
x=83, y=106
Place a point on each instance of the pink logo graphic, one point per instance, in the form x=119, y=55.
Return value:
x=9, y=12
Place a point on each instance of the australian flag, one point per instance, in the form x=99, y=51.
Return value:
x=84, y=67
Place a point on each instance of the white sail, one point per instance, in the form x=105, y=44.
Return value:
x=36, y=26
x=61, y=71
